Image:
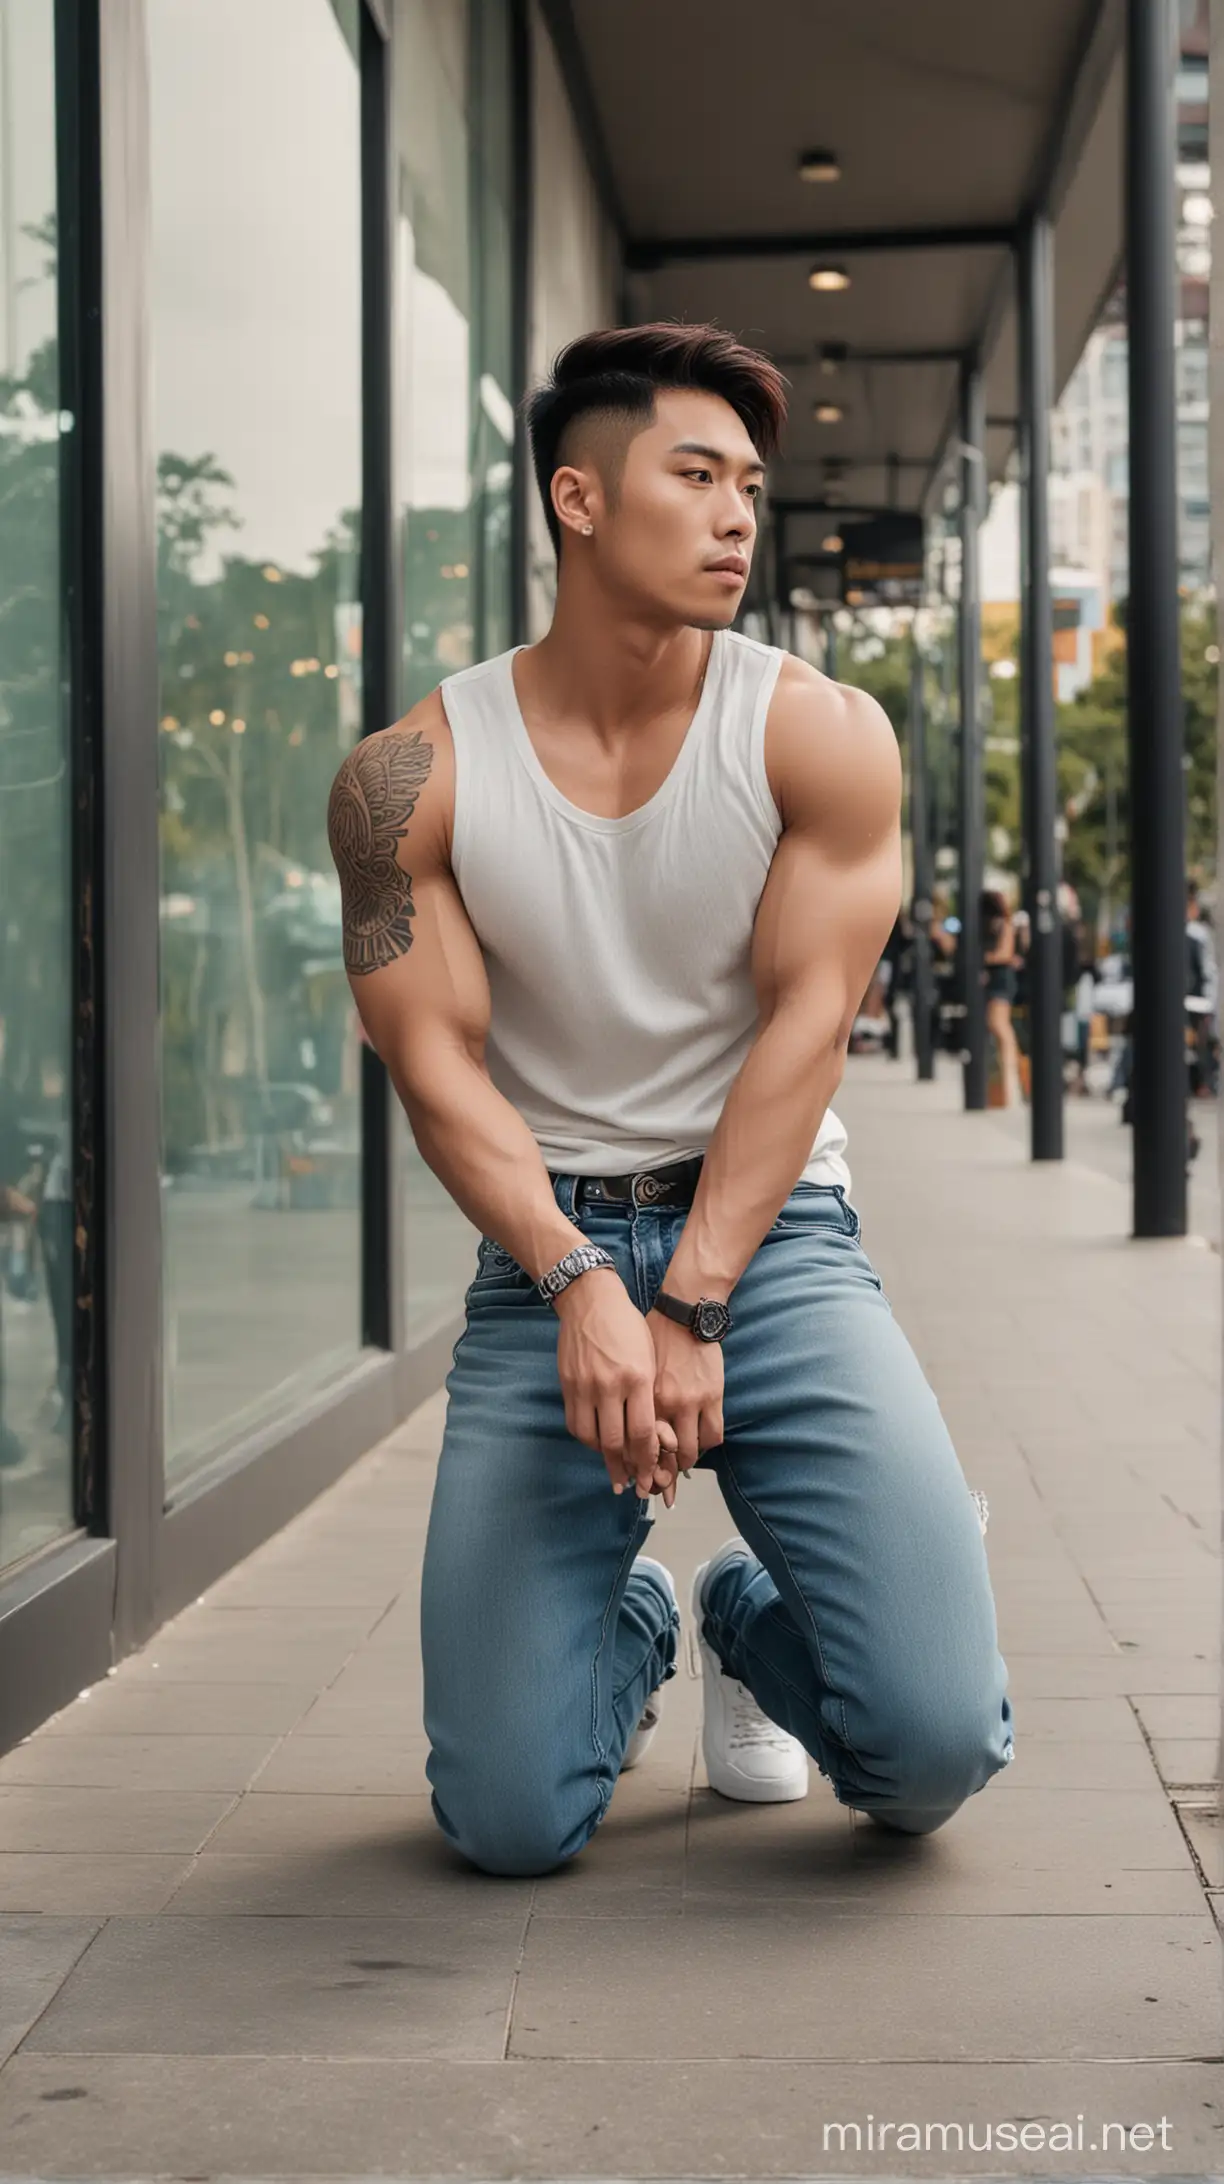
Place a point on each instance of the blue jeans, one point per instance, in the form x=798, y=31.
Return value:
x=862, y=1620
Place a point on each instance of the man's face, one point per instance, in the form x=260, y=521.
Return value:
x=674, y=532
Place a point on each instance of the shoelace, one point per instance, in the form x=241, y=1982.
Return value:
x=751, y=1729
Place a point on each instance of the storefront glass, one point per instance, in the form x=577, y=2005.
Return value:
x=257, y=357
x=36, y=1216
x=447, y=441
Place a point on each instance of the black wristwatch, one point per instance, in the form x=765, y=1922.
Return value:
x=708, y=1319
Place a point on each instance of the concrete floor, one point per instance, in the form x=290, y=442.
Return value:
x=234, y=1944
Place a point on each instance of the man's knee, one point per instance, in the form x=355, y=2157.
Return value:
x=515, y=1835
x=943, y=1754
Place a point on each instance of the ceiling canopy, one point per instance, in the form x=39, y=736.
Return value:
x=944, y=123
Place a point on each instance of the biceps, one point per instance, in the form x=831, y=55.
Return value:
x=821, y=926
x=433, y=1001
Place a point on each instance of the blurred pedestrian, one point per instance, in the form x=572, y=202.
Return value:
x=999, y=978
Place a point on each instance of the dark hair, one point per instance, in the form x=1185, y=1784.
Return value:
x=621, y=370
x=994, y=912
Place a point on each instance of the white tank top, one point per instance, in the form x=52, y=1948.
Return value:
x=618, y=950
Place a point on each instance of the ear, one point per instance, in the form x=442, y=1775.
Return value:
x=576, y=498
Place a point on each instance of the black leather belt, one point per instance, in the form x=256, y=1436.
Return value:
x=672, y=1185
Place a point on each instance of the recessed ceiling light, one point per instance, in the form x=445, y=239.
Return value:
x=828, y=413
x=828, y=279
x=832, y=544
x=819, y=167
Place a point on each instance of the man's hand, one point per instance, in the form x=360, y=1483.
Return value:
x=688, y=1388
x=606, y=1364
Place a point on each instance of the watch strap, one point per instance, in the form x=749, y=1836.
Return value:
x=583, y=1259
x=673, y=1309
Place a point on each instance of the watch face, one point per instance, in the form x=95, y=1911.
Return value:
x=712, y=1320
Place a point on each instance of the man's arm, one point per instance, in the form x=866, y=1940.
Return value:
x=825, y=914
x=419, y=981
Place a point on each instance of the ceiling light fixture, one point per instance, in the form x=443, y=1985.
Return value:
x=828, y=413
x=819, y=167
x=833, y=544
x=828, y=280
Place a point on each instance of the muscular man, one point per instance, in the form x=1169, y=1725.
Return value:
x=610, y=902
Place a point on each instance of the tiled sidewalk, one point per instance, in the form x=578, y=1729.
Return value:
x=234, y=1944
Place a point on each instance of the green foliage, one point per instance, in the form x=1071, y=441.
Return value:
x=1092, y=765
x=1092, y=752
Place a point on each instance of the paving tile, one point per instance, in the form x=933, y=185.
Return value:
x=1204, y=1827
x=49, y=1818
x=993, y=1989
x=37, y=1956
x=427, y=1985
x=391, y=1764
x=1106, y=1717
x=137, y=1762
x=746, y=1856
x=1187, y=1759
x=289, y=1823
x=151, y=1708
x=1193, y=1715
x=421, y=1875
x=108, y=2116
x=98, y=1885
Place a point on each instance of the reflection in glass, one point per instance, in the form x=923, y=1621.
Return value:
x=36, y=1217
x=256, y=329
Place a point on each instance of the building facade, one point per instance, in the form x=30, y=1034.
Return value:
x=273, y=275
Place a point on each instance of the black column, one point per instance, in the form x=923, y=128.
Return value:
x=830, y=644
x=1039, y=759
x=1158, y=949
x=972, y=826
x=920, y=832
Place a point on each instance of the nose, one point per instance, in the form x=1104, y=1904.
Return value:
x=738, y=519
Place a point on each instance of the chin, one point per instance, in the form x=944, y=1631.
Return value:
x=709, y=616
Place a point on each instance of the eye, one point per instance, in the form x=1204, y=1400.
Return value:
x=706, y=476
x=754, y=492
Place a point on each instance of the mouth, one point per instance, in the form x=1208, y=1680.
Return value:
x=732, y=568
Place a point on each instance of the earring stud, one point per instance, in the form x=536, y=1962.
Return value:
x=588, y=530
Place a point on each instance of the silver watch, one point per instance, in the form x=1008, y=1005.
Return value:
x=581, y=1260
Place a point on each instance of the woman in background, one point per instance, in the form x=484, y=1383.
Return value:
x=999, y=978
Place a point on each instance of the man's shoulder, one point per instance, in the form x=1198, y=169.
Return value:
x=828, y=744
x=401, y=773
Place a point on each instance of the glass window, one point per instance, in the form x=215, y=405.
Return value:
x=1192, y=371
x=493, y=422
x=257, y=352
x=36, y=1214
x=455, y=430
x=1113, y=371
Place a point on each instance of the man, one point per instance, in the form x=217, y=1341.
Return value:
x=610, y=903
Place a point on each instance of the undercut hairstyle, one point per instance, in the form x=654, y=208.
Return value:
x=616, y=375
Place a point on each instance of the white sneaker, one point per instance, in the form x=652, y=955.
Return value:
x=747, y=1755
x=643, y=1736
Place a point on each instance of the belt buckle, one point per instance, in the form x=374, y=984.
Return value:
x=646, y=1188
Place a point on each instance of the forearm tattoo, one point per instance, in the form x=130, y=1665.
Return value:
x=372, y=800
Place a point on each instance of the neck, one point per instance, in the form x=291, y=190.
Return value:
x=610, y=663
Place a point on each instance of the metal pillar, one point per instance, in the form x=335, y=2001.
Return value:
x=1158, y=949
x=972, y=827
x=1039, y=761
x=920, y=830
